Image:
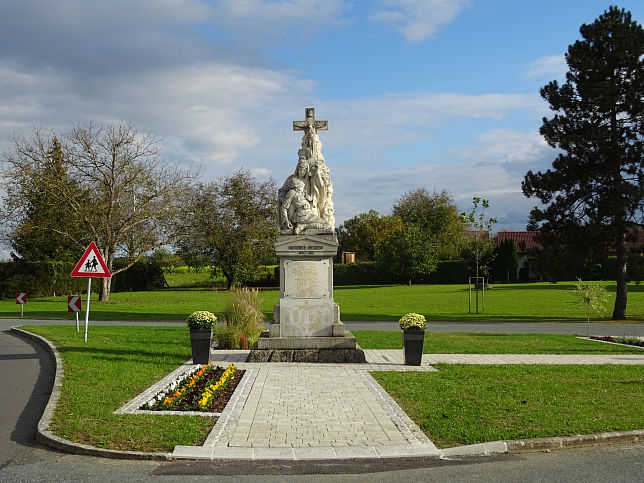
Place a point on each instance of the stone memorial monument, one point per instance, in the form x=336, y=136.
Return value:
x=306, y=323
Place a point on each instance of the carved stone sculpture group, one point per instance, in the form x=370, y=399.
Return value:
x=304, y=202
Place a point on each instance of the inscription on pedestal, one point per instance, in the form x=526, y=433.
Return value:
x=306, y=279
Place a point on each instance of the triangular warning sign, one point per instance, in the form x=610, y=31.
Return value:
x=91, y=264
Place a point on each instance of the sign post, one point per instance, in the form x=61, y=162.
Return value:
x=21, y=298
x=74, y=305
x=90, y=265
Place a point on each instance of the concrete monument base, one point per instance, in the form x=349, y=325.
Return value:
x=307, y=349
x=306, y=323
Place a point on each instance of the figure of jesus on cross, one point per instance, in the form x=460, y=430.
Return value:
x=312, y=170
x=310, y=127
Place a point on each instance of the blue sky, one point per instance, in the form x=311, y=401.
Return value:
x=442, y=94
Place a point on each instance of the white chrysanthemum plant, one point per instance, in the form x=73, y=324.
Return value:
x=201, y=319
x=412, y=322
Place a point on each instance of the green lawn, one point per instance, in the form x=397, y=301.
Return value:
x=113, y=366
x=457, y=405
x=516, y=302
x=467, y=343
x=462, y=404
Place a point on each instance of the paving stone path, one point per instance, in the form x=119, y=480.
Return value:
x=330, y=411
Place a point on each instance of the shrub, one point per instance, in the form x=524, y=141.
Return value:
x=143, y=275
x=243, y=320
x=38, y=279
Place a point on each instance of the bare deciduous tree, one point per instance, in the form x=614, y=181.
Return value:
x=120, y=192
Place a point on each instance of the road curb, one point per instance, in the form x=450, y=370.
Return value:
x=579, y=440
x=531, y=445
x=45, y=436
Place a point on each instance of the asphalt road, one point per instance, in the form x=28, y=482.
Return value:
x=574, y=328
x=26, y=378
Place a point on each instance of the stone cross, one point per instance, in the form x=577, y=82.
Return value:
x=310, y=125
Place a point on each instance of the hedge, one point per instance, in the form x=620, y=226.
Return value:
x=38, y=279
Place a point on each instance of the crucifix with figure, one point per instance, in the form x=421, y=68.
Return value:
x=310, y=125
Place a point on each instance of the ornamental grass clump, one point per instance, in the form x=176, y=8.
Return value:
x=412, y=321
x=201, y=319
x=244, y=320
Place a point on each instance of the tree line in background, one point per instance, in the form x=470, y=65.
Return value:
x=423, y=229
x=108, y=184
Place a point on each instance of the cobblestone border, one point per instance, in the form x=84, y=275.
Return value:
x=614, y=343
x=405, y=425
x=133, y=405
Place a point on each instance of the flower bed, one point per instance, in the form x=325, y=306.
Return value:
x=620, y=340
x=206, y=389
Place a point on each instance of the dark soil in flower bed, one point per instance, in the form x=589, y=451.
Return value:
x=189, y=400
x=620, y=340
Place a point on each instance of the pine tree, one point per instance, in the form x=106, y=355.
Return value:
x=594, y=190
x=39, y=236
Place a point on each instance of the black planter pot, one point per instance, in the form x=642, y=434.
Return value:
x=200, y=343
x=413, y=346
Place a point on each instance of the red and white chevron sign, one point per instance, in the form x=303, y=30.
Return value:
x=21, y=298
x=73, y=303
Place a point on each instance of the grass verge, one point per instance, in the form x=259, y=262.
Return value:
x=532, y=302
x=113, y=366
x=462, y=404
x=495, y=402
x=478, y=343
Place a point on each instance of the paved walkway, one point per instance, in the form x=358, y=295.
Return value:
x=331, y=411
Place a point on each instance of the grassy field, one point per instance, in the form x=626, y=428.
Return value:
x=461, y=405
x=184, y=277
x=113, y=366
x=465, y=343
x=515, y=302
x=457, y=405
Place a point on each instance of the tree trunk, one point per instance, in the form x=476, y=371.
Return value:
x=106, y=283
x=619, y=311
x=106, y=286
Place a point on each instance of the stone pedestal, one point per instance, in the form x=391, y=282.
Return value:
x=306, y=321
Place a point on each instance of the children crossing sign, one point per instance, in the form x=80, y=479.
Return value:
x=91, y=264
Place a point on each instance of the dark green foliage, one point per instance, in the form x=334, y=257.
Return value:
x=595, y=189
x=533, y=224
x=141, y=276
x=437, y=215
x=363, y=233
x=450, y=271
x=38, y=236
x=102, y=183
x=407, y=255
x=167, y=260
x=232, y=222
x=505, y=262
x=360, y=273
x=39, y=279
x=369, y=273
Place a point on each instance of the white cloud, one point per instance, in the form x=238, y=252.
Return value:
x=394, y=119
x=505, y=146
x=276, y=20
x=553, y=66
x=492, y=166
x=417, y=20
